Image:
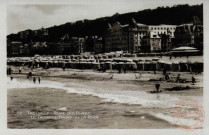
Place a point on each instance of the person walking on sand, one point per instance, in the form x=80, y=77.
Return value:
x=11, y=78
x=34, y=79
x=193, y=80
x=39, y=79
x=29, y=75
x=178, y=78
x=157, y=86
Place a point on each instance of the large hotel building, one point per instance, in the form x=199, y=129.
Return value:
x=134, y=36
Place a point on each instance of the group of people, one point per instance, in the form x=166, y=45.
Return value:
x=9, y=72
x=167, y=77
x=39, y=79
x=34, y=78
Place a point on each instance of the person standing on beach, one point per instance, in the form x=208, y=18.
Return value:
x=11, y=78
x=157, y=86
x=29, y=75
x=39, y=79
x=178, y=78
x=193, y=80
x=34, y=79
x=20, y=69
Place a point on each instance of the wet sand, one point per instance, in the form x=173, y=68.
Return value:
x=101, y=114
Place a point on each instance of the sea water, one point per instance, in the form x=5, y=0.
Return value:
x=159, y=105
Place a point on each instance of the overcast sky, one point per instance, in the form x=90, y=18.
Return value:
x=22, y=17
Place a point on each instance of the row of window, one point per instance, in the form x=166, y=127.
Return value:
x=158, y=28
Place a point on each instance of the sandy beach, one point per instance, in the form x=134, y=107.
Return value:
x=90, y=99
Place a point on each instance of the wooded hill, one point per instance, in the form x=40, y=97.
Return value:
x=178, y=14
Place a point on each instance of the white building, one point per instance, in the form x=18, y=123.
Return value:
x=162, y=29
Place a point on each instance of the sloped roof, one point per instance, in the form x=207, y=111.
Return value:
x=140, y=24
x=185, y=49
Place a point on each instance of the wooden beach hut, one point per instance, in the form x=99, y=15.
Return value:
x=175, y=66
x=140, y=65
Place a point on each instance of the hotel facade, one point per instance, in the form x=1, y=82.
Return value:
x=135, y=37
x=124, y=37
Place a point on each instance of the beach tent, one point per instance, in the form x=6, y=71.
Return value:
x=140, y=65
x=175, y=66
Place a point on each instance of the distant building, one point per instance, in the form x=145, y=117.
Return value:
x=14, y=48
x=94, y=44
x=25, y=34
x=25, y=50
x=9, y=48
x=116, y=37
x=73, y=45
x=65, y=48
x=189, y=35
x=136, y=32
x=129, y=37
x=98, y=45
x=39, y=44
x=151, y=43
x=162, y=29
x=124, y=37
x=78, y=44
x=165, y=32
